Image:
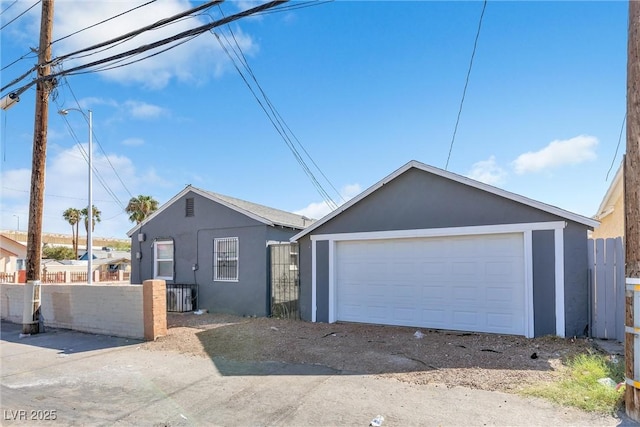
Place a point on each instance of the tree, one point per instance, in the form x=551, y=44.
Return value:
x=139, y=208
x=58, y=253
x=96, y=218
x=72, y=216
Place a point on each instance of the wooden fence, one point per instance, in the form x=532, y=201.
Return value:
x=607, y=288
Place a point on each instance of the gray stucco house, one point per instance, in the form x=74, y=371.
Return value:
x=428, y=248
x=216, y=242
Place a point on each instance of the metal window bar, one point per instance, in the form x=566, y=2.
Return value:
x=226, y=259
x=285, y=280
x=182, y=298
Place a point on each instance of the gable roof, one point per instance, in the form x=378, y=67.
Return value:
x=263, y=214
x=610, y=197
x=454, y=177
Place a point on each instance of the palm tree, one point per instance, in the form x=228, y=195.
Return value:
x=96, y=218
x=139, y=208
x=72, y=216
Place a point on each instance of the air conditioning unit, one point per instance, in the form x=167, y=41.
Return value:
x=172, y=300
x=179, y=299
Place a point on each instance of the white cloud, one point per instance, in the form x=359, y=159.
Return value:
x=194, y=61
x=558, y=153
x=133, y=142
x=67, y=186
x=143, y=110
x=317, y=210
x=488, y=171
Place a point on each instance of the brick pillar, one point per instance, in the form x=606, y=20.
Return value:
x=154, y=301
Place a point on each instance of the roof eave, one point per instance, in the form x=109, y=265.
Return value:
x=589, y=222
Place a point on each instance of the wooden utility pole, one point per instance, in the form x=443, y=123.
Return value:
x=632, y=211
x=36, y=200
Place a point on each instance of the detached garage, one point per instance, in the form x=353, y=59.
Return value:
x=428, y=248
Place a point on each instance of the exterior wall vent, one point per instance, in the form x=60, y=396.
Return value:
x=189, y=210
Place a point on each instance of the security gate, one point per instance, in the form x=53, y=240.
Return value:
x=284, y=280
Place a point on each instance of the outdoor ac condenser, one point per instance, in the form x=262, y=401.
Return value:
x=172, y=300
x=179, y=299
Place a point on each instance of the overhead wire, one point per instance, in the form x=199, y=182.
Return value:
x=104, y=21
x=144, y=48
x=327, y=199
x=113, y=42
x=283, y=124
x=130, y=34
x=617, y=147
x=466, y=83
x=85, y=155
x=8, y=7
x=19, y=15
x=248, y=68
x=95, y=138
x=81, y=30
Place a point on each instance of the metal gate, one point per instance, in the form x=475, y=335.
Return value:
x=284, y=280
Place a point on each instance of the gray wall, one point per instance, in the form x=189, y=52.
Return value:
x=193, y=244
x=417, y=200
x=544, y=279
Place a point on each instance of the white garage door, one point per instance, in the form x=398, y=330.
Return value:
x=468, y=283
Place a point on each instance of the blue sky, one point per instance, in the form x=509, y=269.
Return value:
x=365, y=86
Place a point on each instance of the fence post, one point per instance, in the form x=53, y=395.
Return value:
x=154, y=303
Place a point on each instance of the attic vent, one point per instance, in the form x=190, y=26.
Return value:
x=189, y=207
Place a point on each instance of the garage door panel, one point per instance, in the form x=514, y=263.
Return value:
x=473, y=283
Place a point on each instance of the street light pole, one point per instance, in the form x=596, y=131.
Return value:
x=90, y=209
x=89, y=117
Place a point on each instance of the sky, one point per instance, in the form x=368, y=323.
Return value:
x=357, y=88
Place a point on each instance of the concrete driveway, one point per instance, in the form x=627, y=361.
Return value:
x=84, y=379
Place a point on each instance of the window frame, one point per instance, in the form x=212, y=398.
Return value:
x=157, y=260
x=217, y=259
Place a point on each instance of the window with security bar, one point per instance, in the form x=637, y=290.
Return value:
x=225, y=259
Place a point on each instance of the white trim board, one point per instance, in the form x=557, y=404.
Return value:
x=442, y=232
x=526, y=229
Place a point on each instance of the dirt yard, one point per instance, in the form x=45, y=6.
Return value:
x=412, y=355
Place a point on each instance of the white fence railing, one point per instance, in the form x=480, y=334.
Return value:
x=607, y=288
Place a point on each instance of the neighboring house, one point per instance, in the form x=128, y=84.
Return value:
x=431, y=249
x=218, y=242
x=12, y=255
x=611, y=210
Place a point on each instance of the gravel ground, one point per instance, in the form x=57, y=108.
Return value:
x=417, y=356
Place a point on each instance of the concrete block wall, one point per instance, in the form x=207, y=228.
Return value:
x=102, y=309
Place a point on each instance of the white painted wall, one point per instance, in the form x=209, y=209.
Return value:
x=102, y=309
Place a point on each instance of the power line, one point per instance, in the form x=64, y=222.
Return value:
x=137, y=32
x=104, y=21
x=466, y=83
x=243, y=59
x=79, y=31
x=100, y=145
x=617, y=146
x=278, y=126
x=185, y=34
x=58, y=195
x=31, y=7
x=8, y=7
x=85, y=155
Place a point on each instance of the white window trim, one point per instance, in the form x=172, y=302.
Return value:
x=155, y=258
x=215, y=259
x=525, y=228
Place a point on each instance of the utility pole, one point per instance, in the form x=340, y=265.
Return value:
x=36, y=201
x=632, y=214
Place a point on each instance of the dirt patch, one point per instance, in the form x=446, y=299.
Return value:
x=413, y=355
